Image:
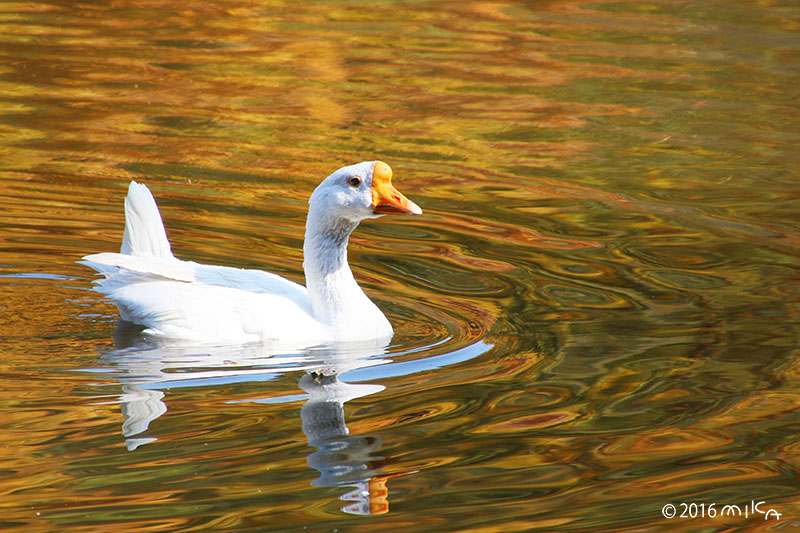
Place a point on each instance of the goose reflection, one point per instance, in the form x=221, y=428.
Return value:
x=330, y=376
x=351, y=462
x=343, y=460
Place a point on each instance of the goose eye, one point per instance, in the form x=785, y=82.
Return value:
x=355, y=181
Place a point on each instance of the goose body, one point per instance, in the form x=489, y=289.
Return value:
x=187, y=300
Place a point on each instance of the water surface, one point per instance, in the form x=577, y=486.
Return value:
x=595, y=317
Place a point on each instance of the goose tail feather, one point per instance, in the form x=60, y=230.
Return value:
x=144, y=231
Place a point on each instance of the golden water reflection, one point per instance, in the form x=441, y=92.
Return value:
x=611, y=202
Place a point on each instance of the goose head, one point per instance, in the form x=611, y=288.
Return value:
x=357, y=192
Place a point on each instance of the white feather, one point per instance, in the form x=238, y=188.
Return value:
x=144, y=230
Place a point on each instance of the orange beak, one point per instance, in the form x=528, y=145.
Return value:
x=386, y=200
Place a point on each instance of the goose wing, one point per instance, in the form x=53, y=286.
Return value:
x=184, y=299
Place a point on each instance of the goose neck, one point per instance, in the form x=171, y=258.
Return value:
x=329, y=280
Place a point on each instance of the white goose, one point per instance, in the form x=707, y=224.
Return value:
x=186, y=300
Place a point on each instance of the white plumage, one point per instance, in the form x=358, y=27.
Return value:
x=202, y=303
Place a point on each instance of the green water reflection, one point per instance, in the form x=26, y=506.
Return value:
x=611, y=225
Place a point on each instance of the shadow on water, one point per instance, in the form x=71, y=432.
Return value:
x=331, y=376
